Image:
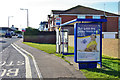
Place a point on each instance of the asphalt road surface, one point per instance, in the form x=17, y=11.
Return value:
x=5, y=42
x=15, y=63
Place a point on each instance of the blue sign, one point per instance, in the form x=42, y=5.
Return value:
x=58, y=21
x=88, y=42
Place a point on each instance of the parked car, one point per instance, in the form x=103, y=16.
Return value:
x=8, y=34
x=19, y=36
x=12, y=33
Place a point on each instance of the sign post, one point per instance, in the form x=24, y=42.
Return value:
x=58, y=36
x=23, y=30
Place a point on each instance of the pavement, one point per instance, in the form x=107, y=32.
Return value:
x=51, y=66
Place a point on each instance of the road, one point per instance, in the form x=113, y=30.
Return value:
x=14, y=62
x=5, y=42
x=22, y=62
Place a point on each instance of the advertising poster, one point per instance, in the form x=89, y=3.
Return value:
x=88, y=42
x=57, y=40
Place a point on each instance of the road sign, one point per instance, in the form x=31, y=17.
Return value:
x=58, y=21
x=23, y=30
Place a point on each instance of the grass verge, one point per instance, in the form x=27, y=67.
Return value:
x=49, y=48
x=110, y=69
x=110, y=65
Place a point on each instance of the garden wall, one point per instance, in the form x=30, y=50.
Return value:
x=42, y=37
x=110, y=47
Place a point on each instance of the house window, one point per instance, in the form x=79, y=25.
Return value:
x=81, y=16
x=96, y=17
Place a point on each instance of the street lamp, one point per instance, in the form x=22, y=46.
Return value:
x=27, y=16
x=9, y=19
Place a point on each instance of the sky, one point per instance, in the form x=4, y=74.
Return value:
x=39, y=9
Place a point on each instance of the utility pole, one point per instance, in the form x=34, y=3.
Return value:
x=27, y=16
x=9, y=20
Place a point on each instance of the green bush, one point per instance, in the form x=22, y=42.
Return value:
x=18, y=32
x=31, y=31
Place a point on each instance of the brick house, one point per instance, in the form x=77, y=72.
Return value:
x=111, y=26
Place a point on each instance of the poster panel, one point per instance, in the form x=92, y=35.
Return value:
x=64, y=41
x=57, y=40
x=88, y=42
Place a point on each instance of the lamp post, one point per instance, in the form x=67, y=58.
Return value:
x=27, y=16
x=9, y=19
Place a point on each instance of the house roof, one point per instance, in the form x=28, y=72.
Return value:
x=6, y=28
x=83, y=10
x=43, y=23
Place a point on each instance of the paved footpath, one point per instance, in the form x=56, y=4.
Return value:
x=51, y=66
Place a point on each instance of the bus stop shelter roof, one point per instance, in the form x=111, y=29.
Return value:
x=80, y=20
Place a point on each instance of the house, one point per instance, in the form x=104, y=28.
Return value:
x=119, y=17
x=14, y=28
x=109, y=28
x=43, y=26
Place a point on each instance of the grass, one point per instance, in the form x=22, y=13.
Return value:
x=110, y=69
x=48, y=48
x=110, y=66
x=70, y=49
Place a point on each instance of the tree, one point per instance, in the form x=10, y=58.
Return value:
x=31, y=31
x=18, y=32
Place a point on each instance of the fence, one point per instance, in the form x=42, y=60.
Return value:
x=110, y=47
x=41, y=37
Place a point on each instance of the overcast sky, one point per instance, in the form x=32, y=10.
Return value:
x=39, y=9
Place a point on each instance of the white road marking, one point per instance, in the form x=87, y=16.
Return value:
x=19, y=63
x=11, y=63
x=3, y=73
x=36, y=66
x=5, y=49
x=27, y=63
x=10, y=72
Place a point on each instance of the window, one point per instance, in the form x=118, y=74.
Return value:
x=81, y=16
x=96, y=17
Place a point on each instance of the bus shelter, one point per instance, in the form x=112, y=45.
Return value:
x=87, y=42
